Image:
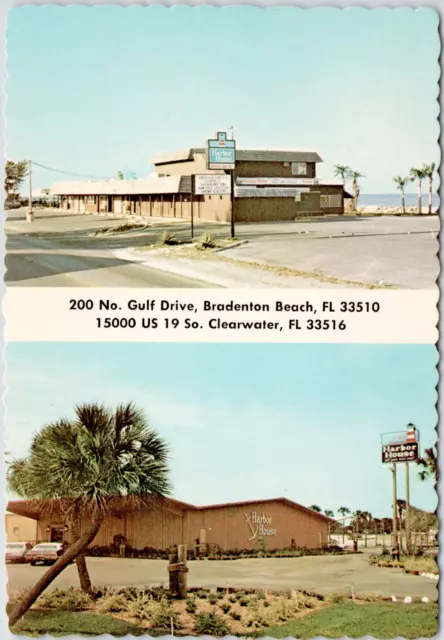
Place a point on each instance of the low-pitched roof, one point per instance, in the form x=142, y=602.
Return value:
x=251, y=155
x=34, y=508
x=286, y=501
x=154, y=184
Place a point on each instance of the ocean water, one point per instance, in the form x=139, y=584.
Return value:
x=394, y=199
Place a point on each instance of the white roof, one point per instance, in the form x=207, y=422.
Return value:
x=152, y=184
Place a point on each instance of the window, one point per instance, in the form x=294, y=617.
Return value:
x=90, y=199
x=331, y=201
x=16, y=531
x=299, y=168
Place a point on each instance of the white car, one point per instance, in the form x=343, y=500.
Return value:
x=16, y=551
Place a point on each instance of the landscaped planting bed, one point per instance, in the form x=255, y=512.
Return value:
x=205, y=612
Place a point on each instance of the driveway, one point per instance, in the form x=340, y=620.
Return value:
x=320, y=574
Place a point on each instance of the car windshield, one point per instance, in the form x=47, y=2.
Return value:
x=54, y=545
x=16, y=545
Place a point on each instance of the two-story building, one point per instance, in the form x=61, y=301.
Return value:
x=268, y=186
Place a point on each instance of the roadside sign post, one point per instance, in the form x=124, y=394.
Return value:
x=192, y=207
x=395, y=550
x=221, y=154
x=401, y=447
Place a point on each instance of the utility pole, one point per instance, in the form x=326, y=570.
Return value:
x=407, y=508
x=395, y=550
x=30, y=213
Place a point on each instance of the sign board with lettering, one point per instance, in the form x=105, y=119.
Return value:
x=259, y=525
x=277, y=181
x=268, y=192
x=401, y=446
x=221, y=152
x=212, y=184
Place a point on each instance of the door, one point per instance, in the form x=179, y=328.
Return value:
x=57, y=534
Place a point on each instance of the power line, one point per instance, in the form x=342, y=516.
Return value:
x=68, y=173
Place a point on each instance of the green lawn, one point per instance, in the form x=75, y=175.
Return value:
x=377, y=619
x=62, y=623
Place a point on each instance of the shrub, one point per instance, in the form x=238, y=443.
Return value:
x=67, y=600
x=202, y=594
x=225, y=606
x=191, y=606
x=160, y=615
x=167, y=238
x=244, y=601
x=335, y=597
x=206, y=241
x=130, y=593
x=373, y=558
x=235, y=615
x=114, y=603
x=211, y=624
x=212, y=598
x=232, y=598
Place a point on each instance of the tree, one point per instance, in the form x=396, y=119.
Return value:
x=419, y=175
x=343, y=511
x=429, y=465
x=429, y=170
x=120, y=175
x=343, y=171
x=400, y=185
x=314, y=507
x=355, y=175
x=87, y=467
x=16, y=172
x=329, y=513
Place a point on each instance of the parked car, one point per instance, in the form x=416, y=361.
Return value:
x=45, y=553
x=16, y=551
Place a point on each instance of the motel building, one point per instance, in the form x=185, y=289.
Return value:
x=279, y=523
x=268, y=186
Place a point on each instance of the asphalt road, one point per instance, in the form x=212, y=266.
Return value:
x=50, y=262
x=313, y=573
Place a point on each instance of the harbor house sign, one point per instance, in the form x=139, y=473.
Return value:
x=259, y=525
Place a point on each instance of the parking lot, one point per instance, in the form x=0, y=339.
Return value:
x=59, y=249
x=321, y=574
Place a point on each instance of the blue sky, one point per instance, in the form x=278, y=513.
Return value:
x=245, y=421
x=97, y=89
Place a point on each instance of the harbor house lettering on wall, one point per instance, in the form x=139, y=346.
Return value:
x=259, y=525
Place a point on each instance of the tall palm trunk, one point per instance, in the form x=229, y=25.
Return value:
x=82, y=569
x=430, y=194
x=70, y=554
x=403, y=201
x=419, y=195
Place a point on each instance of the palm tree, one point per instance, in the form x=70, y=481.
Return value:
x=87, y=467
x=343, y=171
x=429, y=170
x=429, y=464
x=355, y=175
x=343, y=511
x=400, y=184
x=329, y=513
x=314, y=507
x=419, y=175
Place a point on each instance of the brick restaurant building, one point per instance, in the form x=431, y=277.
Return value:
x=269, y=186
x=280, y=522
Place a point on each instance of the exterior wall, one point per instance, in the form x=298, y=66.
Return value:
x=185, y=168
x=227, y=526
x=20, y=529
x=217, y=208
x=248, y=169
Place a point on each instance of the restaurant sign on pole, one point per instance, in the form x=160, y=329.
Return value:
x=221, y=152
x=212, y=184
x=400, y=446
